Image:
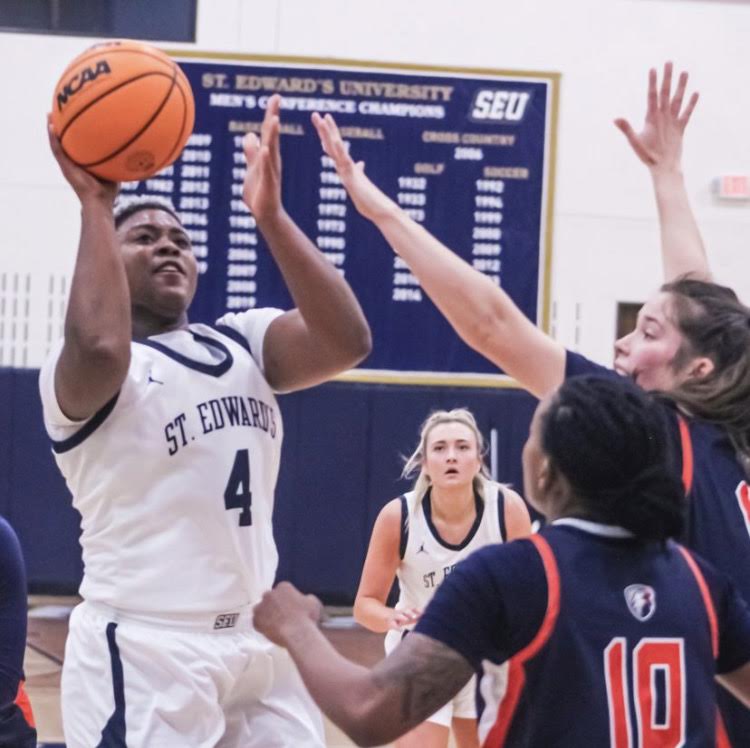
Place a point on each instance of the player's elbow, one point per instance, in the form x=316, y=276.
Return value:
x=348, y=350
x=370, y=728
x=359, y=344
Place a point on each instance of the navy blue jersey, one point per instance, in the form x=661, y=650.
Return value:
x=583, y=635
x=718, y=523
x=16, y=720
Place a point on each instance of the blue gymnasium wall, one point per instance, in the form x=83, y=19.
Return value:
x=340, y=464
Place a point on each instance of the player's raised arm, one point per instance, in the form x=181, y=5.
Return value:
x=327, y=332
x=373, y=706
x=481, y=313
x=96, y=353
x=659, y=147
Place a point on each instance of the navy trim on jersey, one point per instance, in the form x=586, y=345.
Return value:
x=404, y=527
x=88, y=428
x=501, y=514
x=427, y=509
x=235, y=335
x=214, y=370
x=14, y=729
x=113, y=734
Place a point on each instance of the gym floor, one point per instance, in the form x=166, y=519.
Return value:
x=48, y=627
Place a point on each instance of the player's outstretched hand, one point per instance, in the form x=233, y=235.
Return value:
x=262, y=188
x=282, y=609
x=659, y=144
x=401, y=618
x=368, y=199
x=85, y=185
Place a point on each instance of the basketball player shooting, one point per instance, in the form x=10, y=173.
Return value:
x=169, y=435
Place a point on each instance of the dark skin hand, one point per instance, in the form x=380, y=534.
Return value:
x=372, y=706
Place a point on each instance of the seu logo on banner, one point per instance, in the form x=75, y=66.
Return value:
x=498, y=105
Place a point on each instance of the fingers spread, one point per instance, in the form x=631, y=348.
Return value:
x=684, y=119
x=652, y=98
x=666, y=86
x=679, y=94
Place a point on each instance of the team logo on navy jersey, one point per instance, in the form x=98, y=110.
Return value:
x=641, y=600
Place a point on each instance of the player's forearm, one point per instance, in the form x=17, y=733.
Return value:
x=324, y=299
x=681, y=242
x=469, y=300
x=372, y=614
x=344, y=691
x=98, y=315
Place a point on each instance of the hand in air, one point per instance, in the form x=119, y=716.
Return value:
x=368, y=199
x=659, y=144
x=262, y=188
x=85, y=185
x=282, y=609
x=399, y=619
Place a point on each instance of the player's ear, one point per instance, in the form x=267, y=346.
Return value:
x=552, y=483
x=700, y=367
x=545, y=476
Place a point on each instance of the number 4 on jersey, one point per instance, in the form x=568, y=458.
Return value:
x=237, y=494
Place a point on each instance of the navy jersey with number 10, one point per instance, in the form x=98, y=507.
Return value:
x=584, y=635
x=718, y=526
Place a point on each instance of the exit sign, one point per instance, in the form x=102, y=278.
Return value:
x=733, y=187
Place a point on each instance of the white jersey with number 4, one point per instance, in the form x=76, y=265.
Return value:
x=174, y=478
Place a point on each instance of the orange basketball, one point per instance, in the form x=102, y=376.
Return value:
x=123, y=110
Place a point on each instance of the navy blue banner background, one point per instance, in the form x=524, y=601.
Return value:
x=468, y=154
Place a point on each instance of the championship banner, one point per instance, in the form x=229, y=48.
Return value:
x=467, y=153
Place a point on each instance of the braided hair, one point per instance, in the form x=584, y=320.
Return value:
x=608, y=438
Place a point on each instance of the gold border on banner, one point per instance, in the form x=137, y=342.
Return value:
x=544, y=301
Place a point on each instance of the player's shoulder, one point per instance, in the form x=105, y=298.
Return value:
x=248, y=320
x=508, y=561
x=392, y=513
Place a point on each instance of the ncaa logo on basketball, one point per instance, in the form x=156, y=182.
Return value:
x=498, y=105
x=641, y=600
x=79, y=80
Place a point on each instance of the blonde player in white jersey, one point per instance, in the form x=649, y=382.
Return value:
x=168, y=435
x=453, y=510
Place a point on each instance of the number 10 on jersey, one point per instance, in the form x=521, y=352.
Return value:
x=658, y=693
x=237, y=494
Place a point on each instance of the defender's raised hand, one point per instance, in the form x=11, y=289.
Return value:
x=368, y=199
x=262, y=188
x=659, y=144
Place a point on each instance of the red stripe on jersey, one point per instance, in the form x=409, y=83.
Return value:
x=615, y=673
x=687, y=454
x=516, y=675
x=23, y=703
x=722, y=739
x=707, y=601
x=743, y=496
